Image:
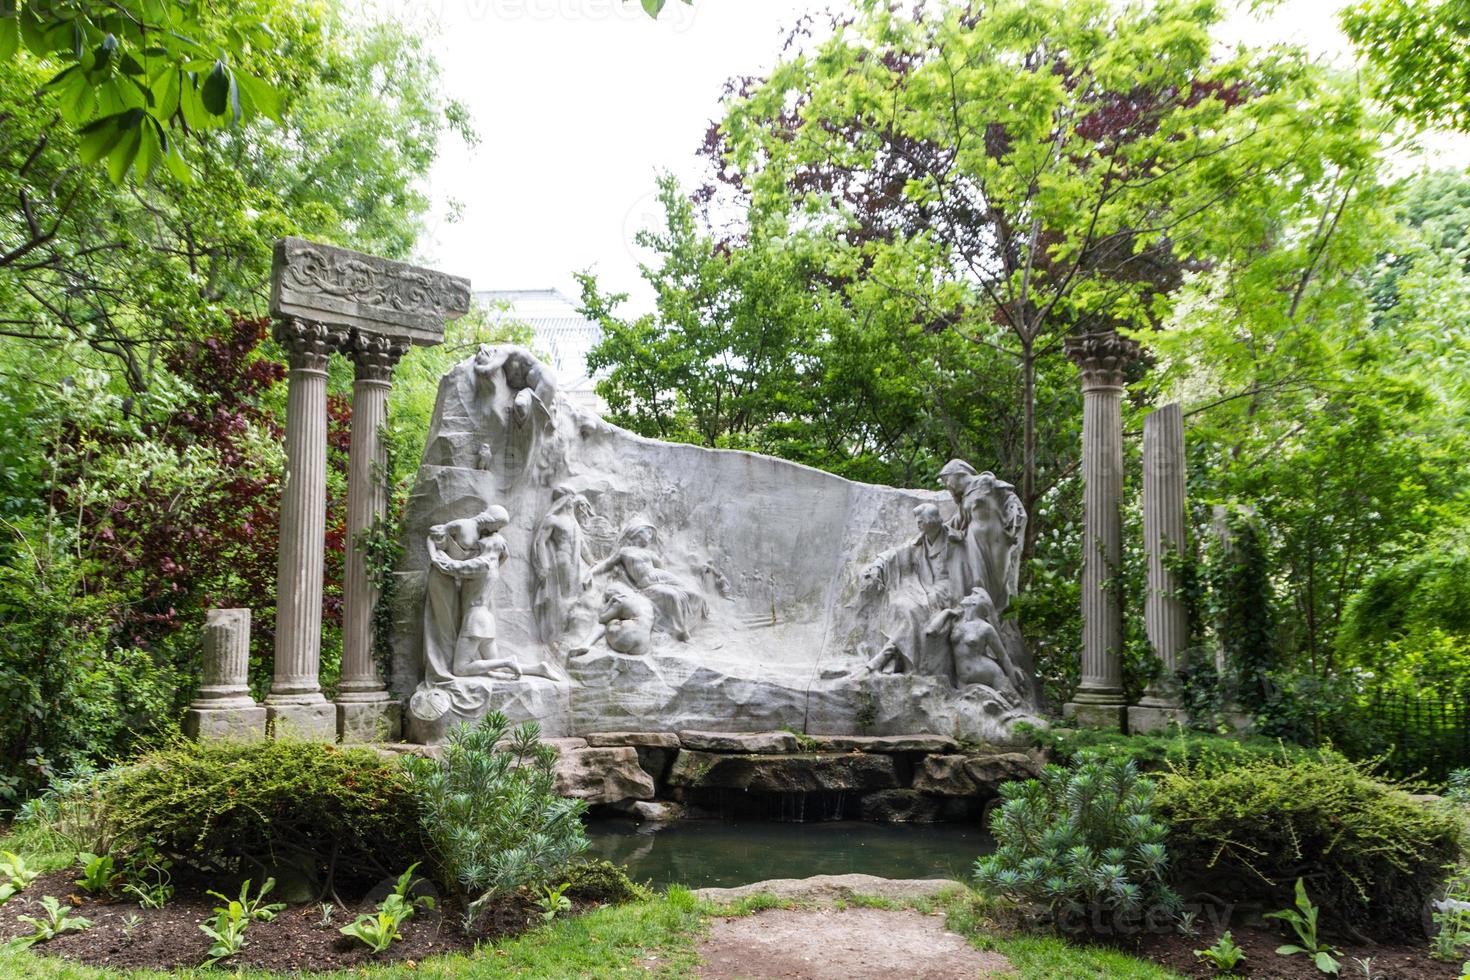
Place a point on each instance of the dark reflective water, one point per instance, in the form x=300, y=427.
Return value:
x=704, y=853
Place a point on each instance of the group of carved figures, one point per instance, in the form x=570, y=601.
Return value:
x=640, y=594
x=935, y=601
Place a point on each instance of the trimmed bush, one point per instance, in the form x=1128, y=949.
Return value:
x=1372, y=857
x=603, y=881
x=1080, y=841
x=250, y=807
x=1153, y=753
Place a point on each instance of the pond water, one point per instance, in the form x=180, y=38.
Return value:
x=720, y=853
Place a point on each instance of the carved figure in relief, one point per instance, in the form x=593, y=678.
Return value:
x=531, y=383
x=991, y=524
x=678, y=603
x=460, y=646
x=625, y=621
x=979, y=655
x=561, y=556
x=912, y=583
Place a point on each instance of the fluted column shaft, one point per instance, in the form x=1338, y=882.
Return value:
x=1164, y=540
x=1102, y=358
x=303, y=512
x=374, y=358
x=226, y=660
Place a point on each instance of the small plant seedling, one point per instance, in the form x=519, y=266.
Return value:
x=1187, y=924
x=554, y=901
x=1224, y=956
x=1303, y=921
x=377, y=931
x=150, y=881
x=253, y=909
x=1365, y=963
x=53, y=921
x=14, y=875
x=129, y=924
x=100, y=875
x=327, y=910
x=226, y=931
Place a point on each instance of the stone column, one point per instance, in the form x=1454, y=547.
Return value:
x=1165, y=542
x=224, y=708
x=296, y=703
x=1102, y=359
x=365, y=712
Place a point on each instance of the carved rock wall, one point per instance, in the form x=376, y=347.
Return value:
x=773, y=549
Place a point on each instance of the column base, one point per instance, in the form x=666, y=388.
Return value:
x=309, y=722
x=1089, y=714
x=369, y=721
x=1145, y=718
x=239, y=722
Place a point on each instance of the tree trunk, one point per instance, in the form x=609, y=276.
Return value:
x=1028, y=444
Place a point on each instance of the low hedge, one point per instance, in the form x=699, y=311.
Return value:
x=250, y=807
x=1371, y=856
x=1153, y=753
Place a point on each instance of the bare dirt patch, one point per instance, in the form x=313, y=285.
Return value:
x=842, y=944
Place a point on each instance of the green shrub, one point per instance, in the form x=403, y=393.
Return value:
x=1080, y=841
x=1156, y=752
x=603, y=881
x=1371, y=856
x=492, y=817
x=249, y=807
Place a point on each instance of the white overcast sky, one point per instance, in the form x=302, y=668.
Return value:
x=580, y=103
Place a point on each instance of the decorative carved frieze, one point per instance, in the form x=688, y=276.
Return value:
x=1101, y=357
x=337, y=285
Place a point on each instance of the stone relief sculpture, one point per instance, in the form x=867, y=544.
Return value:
x=626, y=622
x=678, y=604
x=561, y=557
x=743, y=592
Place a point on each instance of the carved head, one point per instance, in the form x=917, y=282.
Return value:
x=870, y=580
x=640, y=534
x=955, y=475
x=978, y=605
x=928, y=517
x=492, y=519
x=518, y=364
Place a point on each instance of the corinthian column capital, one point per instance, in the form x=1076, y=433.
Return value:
x=375, y=355
x=1101, y=357
x=308, y=342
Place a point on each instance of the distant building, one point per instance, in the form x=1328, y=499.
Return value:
x=558, y=333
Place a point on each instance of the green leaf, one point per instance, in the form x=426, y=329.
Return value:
x=653, y=7
x=1289, y=950
x=1326, y=963
x=215, y=93
x=176, y=164
x=98, y=139
x=120, y=160
x=9, y=37
x=260, y=95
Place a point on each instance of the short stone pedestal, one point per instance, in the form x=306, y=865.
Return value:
x=224, y=707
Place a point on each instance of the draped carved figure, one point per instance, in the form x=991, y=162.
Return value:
x=561, y=560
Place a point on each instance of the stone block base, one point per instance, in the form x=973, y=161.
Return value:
x=215, y=723
x=311, y=722
x=1144, y=719
x=369, y=721
x=1088, y=715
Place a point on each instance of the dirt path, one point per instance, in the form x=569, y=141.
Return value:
x=841, y=944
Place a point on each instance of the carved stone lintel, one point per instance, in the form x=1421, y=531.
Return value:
x=320, y=281
x=374, y=355
x=308, y=342
x=1101, y=357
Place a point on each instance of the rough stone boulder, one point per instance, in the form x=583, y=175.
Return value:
x=638, y=740
x=602, y=775
x=901, y=806
x=751, y=743
x=805, y=773
x=830, y=888
x=889, y=744
x=972, y=775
